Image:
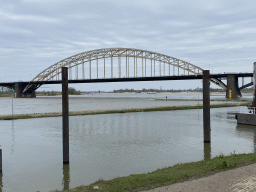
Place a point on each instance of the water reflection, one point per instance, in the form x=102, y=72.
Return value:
x=248, y=128
x=1, y=181
x=66, y=176
x=12, y=145
x=108, y=145
x=207, y=151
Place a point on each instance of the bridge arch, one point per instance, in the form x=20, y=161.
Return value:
x=156, y=65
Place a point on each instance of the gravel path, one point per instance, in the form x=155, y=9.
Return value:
x=242, y=179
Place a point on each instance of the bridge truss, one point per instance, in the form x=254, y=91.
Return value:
x=119, y=63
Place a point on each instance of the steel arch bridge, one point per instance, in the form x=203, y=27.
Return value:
x=118, y=63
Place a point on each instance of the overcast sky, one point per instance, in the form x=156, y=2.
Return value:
x=220, y=34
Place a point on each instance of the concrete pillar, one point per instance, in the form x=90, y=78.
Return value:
x=18, y=90
x=232, y=91
x=65, y=115
x=19, y=87
x=206, y=106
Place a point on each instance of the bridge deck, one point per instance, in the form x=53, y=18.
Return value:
x=182, y=77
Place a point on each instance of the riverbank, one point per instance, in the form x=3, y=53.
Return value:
x=171, y=175
x=131, y=110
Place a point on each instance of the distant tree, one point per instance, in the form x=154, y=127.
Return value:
x=50, y=93
x=53, y=93
x=73, y=91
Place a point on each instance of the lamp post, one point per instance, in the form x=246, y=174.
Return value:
x=12, y=99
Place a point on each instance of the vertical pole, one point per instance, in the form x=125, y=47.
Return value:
x=178, y=69
x=0, y=160
x=65, y=115
x=104, y=67
x=254, y=86
x=160, y=68
x=151, y=65
x=154, y=67
x=136, y=67
x=83, y=69
x=12, y=100
x=119, y=65
x=77, y=72
x=145, y=67
x=198, y=95
x=142, y=64
x=66, y=176
x=206, y=106
x=126, y=65
x=207, y=151
x=111, y=66
x=164, y=68
x=90, y=68
x=97, y=68
x=1, y=181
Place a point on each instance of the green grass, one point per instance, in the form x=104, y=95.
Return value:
x=76, y=113
x=5, y=95
x=170, y=175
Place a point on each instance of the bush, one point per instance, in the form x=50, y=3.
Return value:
x=73, y=91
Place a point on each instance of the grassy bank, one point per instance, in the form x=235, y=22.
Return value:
x=170, y=175
x=76, y=113
x=6, y=95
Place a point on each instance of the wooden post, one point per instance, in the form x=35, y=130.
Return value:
x=206, y=106
x=0, y=161
x=66, y=177
x=207, y=150
x=65, y=115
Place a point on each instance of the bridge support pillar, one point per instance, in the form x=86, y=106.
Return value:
x=232, y=91
x=19, y=87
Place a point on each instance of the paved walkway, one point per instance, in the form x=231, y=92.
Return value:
x=241, y=179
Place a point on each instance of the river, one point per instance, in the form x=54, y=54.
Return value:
x=111, y=145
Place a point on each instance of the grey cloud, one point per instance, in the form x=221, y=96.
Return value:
x=200, y=32
x=19, y=17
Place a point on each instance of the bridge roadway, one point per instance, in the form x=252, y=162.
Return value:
x=232, y=89
x=181, y=77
